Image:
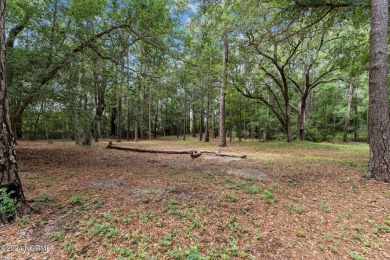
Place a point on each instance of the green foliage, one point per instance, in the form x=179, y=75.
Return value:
x=325, y=208
x=269, y=197
x=76, y=200
x=7, y=203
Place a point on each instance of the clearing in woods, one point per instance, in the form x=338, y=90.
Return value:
x=286, y=201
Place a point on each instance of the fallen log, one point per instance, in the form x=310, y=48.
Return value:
x=192, y=153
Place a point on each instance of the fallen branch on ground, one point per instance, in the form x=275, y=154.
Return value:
x=193, y=153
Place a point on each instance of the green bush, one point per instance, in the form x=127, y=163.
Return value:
x=7, y=204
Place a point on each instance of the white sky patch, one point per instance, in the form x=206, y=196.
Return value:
x=193, y=7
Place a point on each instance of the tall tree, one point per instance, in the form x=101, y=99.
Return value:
x=9, y=169
x=378, y=118
x=222, y=127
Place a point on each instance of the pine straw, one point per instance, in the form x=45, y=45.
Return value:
x=304, y=203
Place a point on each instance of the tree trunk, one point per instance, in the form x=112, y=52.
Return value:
x=266, y=126
x=239, y=128
x=213, y=134
x=193, y=112
x=141, y=122
x=113, y=121
x=9, y=169
x=150, y=114
x=185, y=114
x=222, y=131
x=128, y=133
x=119, y=121
x=207, y=132
x=356, y=119
x=379, y=121
x=302, y=116
x=348, y=113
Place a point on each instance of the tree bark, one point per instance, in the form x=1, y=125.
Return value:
x=128, y=119
x=222, y=130
x=150, y=113
x=348, y=113
x=9, y=169
x=378, y=120
x=207, y=132
x=119, y=121
x=193, y=112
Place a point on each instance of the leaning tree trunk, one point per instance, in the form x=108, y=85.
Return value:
x=222, y=126
x=378, y=119
x=9, y=170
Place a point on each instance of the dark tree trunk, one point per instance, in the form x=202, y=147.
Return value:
x=378, y=119
x=9, y=169
x=113, y=121
x=222, y=130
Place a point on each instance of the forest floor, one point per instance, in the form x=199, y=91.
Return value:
x=284, y=201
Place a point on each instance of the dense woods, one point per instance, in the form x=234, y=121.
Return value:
x=136, y=69
x=263, y=70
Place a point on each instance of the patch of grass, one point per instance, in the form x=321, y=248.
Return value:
x=382, y=229
x=76, y=200
x=126, y=253
x=231, y=197
x=325, y=208
x=57, y=235
x=69, y=248
x=296, y=208
x=173, y=209
x=269, y=197
x=252, y=189
x=301, y=234
x=21, y=221
x=104, y=229
x=355, y=256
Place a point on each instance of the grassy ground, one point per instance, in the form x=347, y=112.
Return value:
x=285, y=201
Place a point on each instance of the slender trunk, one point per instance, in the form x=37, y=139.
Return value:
x=193, y=112
x=141, y=122
x=230, y=124
x=240, y=123
x=213, y=119
x=356, y=119
x=128, y=119
x=185, y=115
x=222, y=131
x=266, y=127
x=207, y=133
x=119, y=121
x=335, y=112
x=155, y=122
x=379, y=121
x=201, y=122
x=347, y=114
x=113, y=121
x=302, y=116
x=150, y=113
